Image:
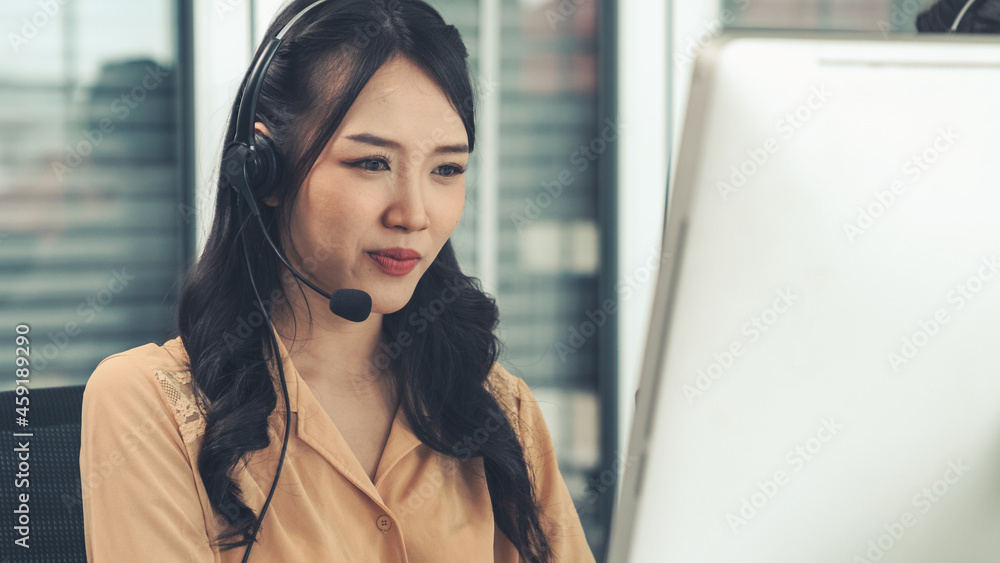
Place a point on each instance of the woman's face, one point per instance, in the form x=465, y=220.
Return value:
x=387, y=191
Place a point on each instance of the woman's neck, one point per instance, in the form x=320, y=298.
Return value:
x=332, y=354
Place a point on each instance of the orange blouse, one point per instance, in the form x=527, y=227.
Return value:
x=144, y=500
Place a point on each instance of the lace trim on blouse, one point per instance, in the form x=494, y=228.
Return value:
x=189, y=409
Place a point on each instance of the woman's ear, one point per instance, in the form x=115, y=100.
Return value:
x=259, y=127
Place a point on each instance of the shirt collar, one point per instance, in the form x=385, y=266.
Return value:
x=315, y=428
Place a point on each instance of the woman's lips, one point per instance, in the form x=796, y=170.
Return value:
x=395, y=262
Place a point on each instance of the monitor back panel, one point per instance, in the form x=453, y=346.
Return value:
x=822, y=382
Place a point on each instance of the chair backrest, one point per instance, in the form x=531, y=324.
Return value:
x=46, y=467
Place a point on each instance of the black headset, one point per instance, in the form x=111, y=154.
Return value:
x=251, y=165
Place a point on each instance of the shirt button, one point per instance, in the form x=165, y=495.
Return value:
x=383, y=523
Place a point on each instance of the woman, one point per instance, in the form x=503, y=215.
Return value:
x=407, y=441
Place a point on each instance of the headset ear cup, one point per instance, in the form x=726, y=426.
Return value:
x=267, y=169
x=233, y=171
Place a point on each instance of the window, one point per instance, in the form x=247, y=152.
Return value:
x=91, y=244
x=531, y=230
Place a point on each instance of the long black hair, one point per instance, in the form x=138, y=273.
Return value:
x=442, y=377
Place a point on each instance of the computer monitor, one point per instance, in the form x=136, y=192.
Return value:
x=821, y=380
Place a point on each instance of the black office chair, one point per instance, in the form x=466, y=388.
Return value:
x=55, y=508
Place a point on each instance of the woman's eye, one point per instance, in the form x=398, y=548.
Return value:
x=449, y=170
x=372, y=164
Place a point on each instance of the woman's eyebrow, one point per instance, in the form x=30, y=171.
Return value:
x=381, y=142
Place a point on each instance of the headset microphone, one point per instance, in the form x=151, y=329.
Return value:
x=352, y=304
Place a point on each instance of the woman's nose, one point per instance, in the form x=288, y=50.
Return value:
x=407, y=208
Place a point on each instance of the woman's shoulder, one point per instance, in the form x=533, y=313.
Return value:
x=170, y=355
x=152, y=373
x=508, y=390
x=522, y=407
x=140, y=364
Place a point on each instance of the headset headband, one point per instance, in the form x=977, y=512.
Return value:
x=250, y=166
x=248, y=104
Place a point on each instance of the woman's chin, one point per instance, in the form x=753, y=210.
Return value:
x=389, y=304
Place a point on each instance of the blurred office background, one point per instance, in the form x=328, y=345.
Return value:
x=111, y=120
